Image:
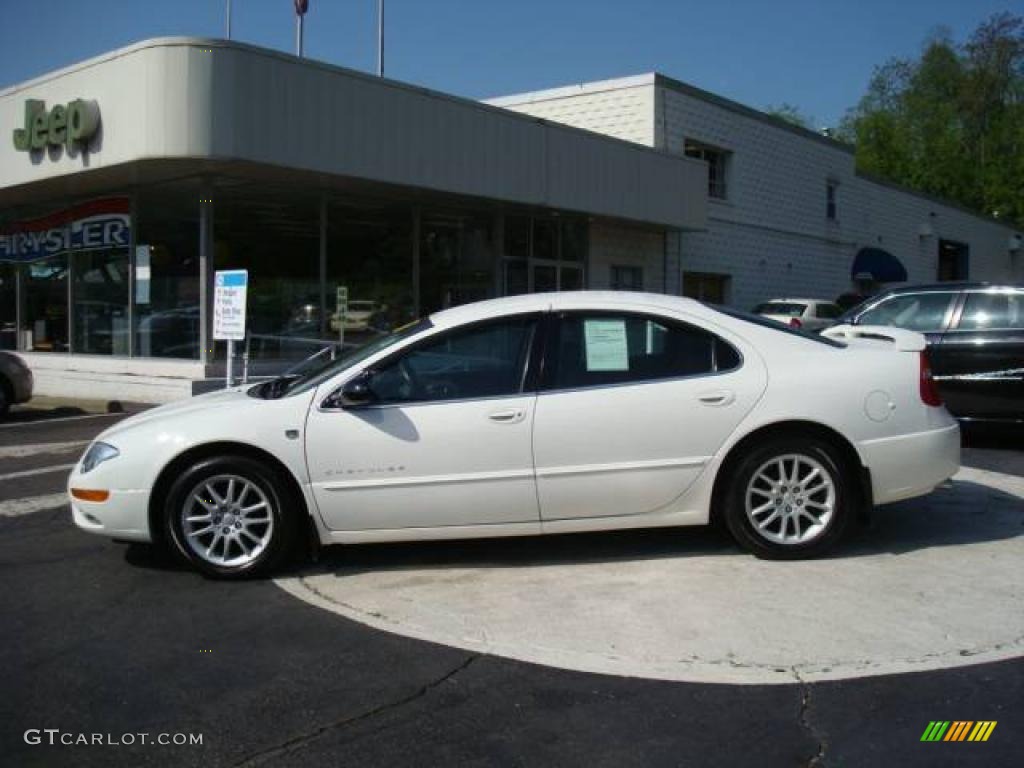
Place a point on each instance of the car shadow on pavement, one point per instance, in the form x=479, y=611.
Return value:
x=967, y=513
x=29, y=415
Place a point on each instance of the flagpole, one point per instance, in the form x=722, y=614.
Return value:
x=380, y=38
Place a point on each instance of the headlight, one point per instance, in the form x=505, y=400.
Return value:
x=97, y=454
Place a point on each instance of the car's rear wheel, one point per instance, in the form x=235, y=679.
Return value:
x=789, y=498
x=229, y=517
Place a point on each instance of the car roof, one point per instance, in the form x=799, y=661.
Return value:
x=542, y=302
x=952, y=285
x=800, y=301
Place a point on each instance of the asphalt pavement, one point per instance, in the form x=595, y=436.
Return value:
x=120, y=642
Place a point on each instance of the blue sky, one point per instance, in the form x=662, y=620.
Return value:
x=817, y=55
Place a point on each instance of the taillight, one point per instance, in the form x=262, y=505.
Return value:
x=794, y=322
x=929, y=392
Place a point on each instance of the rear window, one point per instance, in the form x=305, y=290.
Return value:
x=784, y=308
x=993, y=311
x=775, y=326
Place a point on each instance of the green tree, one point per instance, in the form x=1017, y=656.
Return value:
x=791, y=114
x=951, y=122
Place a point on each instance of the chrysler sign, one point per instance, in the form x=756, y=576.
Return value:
x=64, y=125
x=95, y=225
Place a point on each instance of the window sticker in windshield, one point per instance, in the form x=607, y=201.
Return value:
x=605, y=345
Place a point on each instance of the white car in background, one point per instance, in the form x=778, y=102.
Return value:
x=544, y=413
x=808, y=314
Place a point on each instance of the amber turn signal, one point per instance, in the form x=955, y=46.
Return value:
x=89, y=495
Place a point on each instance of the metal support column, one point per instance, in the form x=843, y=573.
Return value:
x=206, y=269
x=416, y=223
x=323, y=266
x=19, y=311
x=133, y=238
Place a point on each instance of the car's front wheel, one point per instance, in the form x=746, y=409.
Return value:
x=789, y=498
x=229, y=517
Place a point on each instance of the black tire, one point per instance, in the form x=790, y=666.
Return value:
x=763, y=458
x=6, y=397
x=283, y=514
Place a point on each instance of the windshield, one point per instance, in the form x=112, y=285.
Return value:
x=317, y=374
x=774, y=325
x=785, y=308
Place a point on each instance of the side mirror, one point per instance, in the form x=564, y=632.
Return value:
x=356, y=392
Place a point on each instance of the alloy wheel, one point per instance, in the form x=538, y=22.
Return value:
x=227, y=520
x=790, y=499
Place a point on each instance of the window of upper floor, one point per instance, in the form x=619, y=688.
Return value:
x=718, y=161
x=831, y=200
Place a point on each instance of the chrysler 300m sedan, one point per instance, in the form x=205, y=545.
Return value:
x=535, y=414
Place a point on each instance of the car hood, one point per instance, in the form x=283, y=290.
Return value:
x=222, y=399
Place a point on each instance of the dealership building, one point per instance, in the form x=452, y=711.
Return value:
x=128, y=180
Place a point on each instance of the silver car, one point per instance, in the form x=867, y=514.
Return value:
x=15, y=381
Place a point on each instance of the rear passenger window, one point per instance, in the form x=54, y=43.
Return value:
x=913, y=311
x=599, y=349
x=992, y=311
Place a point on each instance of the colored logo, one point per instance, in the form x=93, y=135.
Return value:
x=74, y=123
x=958, y=730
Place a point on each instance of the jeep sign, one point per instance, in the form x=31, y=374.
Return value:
x=75, y=123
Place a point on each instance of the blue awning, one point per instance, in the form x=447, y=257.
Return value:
x=878, y=265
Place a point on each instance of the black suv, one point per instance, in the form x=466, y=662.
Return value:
x=975, y=335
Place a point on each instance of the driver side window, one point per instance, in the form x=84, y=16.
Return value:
x=486, y=360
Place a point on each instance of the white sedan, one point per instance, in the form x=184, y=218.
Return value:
x=546, y=413
x=808, y=314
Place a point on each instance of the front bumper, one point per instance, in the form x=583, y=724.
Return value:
x=912, y=465
x=124, y=515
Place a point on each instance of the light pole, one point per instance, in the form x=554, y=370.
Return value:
x=227, y=21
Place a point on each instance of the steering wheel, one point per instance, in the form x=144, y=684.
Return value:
x=442, y=389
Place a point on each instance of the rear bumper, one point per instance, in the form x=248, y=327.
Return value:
x=911, y=465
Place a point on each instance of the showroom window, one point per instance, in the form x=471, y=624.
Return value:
x=544, y=254
x=486, y=360
x=167, y=312
x=45, y=315
x=274, y=233
x=8, y=306
x=370, y=259
x=627, y=278
x=457, y=258
x=99, y=293
x=603, y=349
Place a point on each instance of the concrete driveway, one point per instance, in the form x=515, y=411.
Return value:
x=935, y=582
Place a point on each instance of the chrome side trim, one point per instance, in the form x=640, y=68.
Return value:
x=623, y=466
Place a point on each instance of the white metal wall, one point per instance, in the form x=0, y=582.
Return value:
x=771, y=236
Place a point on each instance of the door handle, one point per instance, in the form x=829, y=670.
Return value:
x=722, y=397
x=507, y=417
